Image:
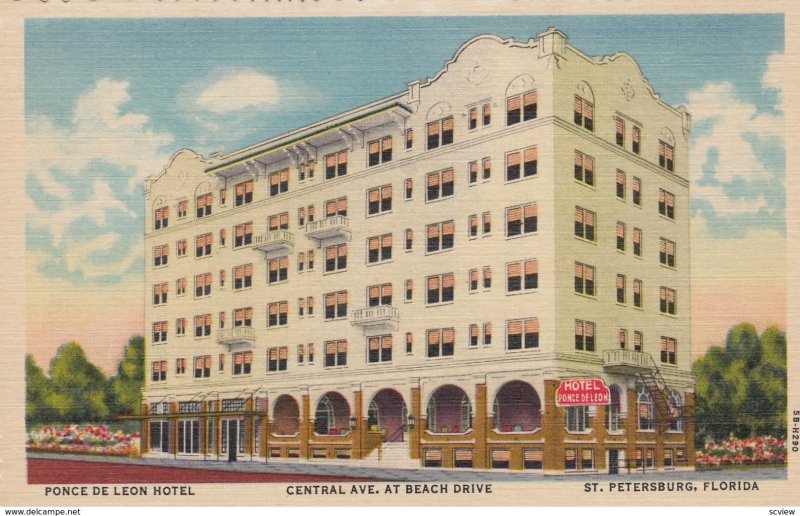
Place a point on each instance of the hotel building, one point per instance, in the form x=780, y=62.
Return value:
x=411, y=281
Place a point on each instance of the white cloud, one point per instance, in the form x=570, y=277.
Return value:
x=236, y=90
x=775, y=77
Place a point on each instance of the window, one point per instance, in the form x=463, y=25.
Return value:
x=379, y=248
x=473, y=118
x=577, y=420
x=622, y=337
x=223, y=233
x=440, y=132
x=637, y=293
x=379, y=349
x=301, y=307
x=277, y=314
x=667, y=300
x=203, y=204
x=620, y=131
x=584, y=335
x=637, y=241
x=522, y=219
x=242, y=362
x=278, y=269
x=620, y=236
x=584, y=113
x=180, y=366
x=675, y=419
x=310, y=305
x=409, y=138
x=487, y=223
x=301, y=261
x=202, y=325
x=473, y=172
x=279, y=182
x=644, y=408
x=636, y=191
x=244, y=193
x=336, y=258
x=409, y=239
x=223, y=196
x=473, y=335
x=336, y=164
x=202, y=285
x=305, y=170
x=160, y=329
x=620, y=288
x=243, y=317
x=159, y=370
x=278, y=221
x=379, y=294
x=487, y=333
x=521, y=108
x=379, y=200
x=636, y=134
x=277, y=359
x=584, y=279
x=160, y=255
x=335, y=353
x=522, y=275
x=221, y=362
x=180, y=247
x=243, y=276
x=584, y=168
x=301, y=217
x=310, y=260
x=487, y=277
x=620, y=184
x=587, y=458
x=221, y=319
x=243, y=234
x=472, y=224
x=202, y=366
x=161, y=217
x=160, y=293
x=301, y=353
x=409, y=184
x=584, y=223
x=336, y=305
x=669, y=350
x=473, y=280
x=409, y=290
x=441, y=342
x=180, y=326
x=440, y=288
x=379, y=151
x=666, y=252
x=409, y=343
x=440, y=184
x=666, y=154
x=522, y=333
x=202, y=245
x=487, y=168
x=521, y=164
x=440, y=236
x=222, y=275
x=486, y=112
x=335, y=207
x=183, y=209
x=637, y=340
x=666, y=204
x=180, y=286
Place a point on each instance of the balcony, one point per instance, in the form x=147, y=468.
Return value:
x=626, y=361
x=279, y=240
x=336, y=226
x=239, y=337
x=376, y=316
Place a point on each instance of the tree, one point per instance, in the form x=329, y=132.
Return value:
x=38, y=389
x=79, y=387
x=741, y=387
x=127, y=385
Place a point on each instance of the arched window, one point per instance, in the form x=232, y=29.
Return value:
x=644, y=408
x=373, y=414
x=323, y=417
x=431, y=415
x=613, y=410
x=466, y=413
x=449, y=411
x=675, y=412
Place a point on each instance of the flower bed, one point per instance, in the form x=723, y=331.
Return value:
x=753, y=450
x=87, y=439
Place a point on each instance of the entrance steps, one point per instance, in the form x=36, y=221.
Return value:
x=390, y=455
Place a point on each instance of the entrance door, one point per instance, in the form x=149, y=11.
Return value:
x=613, y=462
x=233, y=438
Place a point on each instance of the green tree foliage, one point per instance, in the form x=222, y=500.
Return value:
x=741, y=387
x=38, y=389
x=126, y=386
x=79, y=388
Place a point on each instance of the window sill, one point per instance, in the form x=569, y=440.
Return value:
x=430, y=201
x=158, y=343
x=203, y=257
x=522, y=235
x=621, y=304
x=620, y=251
x=372, y=215
x=337, y=271
x=521, y=350
x=584, y=184
x=180, y=334
x=440, y=357
x=668, y=267
x=379, y=262
x=241, y=288
x=671, y=316
x=277, y=327
x=443, y=303
x=279, y=282
x=520, y=179
x=327, y=319
x=179, y=256
x=440, y=251
x=586, y=296
x=522, y=291
x=582, y=239
x=665, y=217
x=616, y=433
x=578, y=432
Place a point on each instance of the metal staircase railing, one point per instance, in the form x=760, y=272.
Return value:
x=655, y=383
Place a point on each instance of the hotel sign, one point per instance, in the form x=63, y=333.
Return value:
x=591, y=391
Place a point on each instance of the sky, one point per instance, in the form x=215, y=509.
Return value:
x=109, y=101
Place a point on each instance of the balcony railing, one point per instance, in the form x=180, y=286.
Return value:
x=330, y=227
x=274, y=241
x=375, y=316
x=239, y=335
x=626, y=361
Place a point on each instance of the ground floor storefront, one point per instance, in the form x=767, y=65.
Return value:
x=510, y=423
